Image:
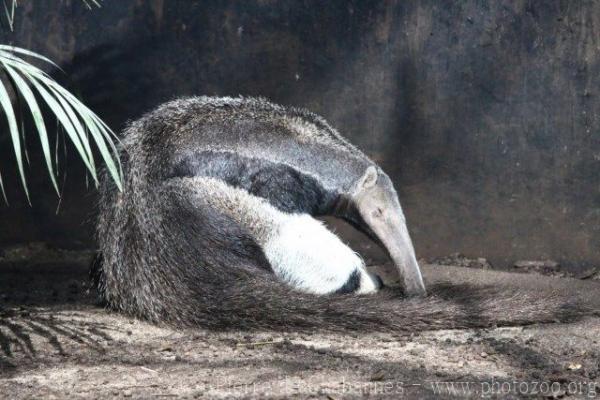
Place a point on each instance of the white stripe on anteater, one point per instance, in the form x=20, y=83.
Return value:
x=301, y=251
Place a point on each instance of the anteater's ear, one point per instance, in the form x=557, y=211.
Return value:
x=369, y=178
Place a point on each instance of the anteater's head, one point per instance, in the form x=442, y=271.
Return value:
x=372, y=206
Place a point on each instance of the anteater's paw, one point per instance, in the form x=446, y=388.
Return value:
x=370, y=283
x=361, y=282
x=309, y=257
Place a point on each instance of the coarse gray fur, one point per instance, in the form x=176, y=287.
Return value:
x=184, y=242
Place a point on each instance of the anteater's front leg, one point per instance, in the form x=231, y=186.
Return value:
x=308, y=256
x=301, y=251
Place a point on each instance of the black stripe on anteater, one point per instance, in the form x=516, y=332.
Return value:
x=281, y=185
x=351, y=285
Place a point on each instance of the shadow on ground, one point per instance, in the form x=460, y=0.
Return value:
x=56, y=341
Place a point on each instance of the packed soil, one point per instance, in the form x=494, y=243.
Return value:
x=57, y=342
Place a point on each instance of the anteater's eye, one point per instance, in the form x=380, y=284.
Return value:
x=378, y=212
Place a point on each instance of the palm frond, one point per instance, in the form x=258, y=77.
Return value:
x=78, y=121
x=90, y=3
x=9, y=11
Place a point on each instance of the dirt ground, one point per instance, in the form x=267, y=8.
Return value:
x=56, y=342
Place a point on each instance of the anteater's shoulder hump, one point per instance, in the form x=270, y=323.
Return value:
x=175, y=115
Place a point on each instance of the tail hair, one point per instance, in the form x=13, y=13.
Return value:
x=263, y=303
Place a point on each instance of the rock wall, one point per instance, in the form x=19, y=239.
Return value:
x=483, y=112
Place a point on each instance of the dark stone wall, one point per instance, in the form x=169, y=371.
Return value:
x=483, y=112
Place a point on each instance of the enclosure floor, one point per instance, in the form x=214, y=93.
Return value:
x=56, y=343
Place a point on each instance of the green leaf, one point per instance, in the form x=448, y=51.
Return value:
x=92, y=122
x=95, y=130
x=10, y=15
x=34, y=74
x=81, y=132
x=94, y=2
x=65, y=121
x=13, y=49
x=78, y=121
x=2, y=190
x=14, y=134
x=37, y=118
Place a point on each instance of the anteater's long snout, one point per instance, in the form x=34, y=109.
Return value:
x=392, y=232
x=379, y=208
